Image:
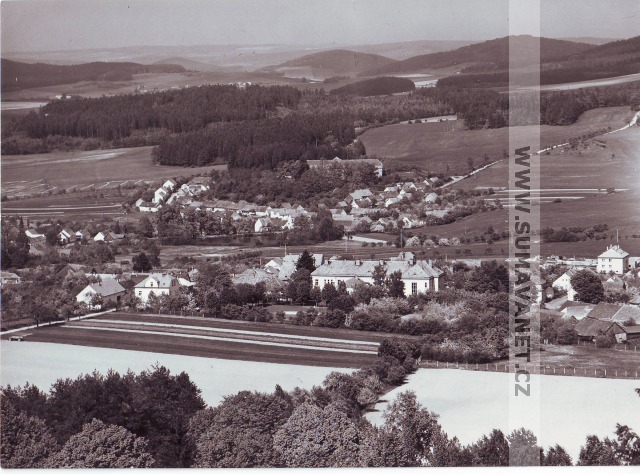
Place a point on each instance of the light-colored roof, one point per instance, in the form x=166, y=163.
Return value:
x=289, y=262
x=162, y=280
x=107, y=287
x=365, y=268
x=614, y=252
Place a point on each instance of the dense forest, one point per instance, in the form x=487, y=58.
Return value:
x=17, y=75
x=260, y=127
x=376, y=86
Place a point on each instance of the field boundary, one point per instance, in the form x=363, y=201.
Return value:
x=536, y=369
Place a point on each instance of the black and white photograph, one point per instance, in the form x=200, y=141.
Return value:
x=320, y=234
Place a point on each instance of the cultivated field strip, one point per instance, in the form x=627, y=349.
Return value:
x=192, y=346
x=346, y=335
x=248, y=337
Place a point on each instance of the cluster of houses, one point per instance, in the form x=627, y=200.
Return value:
x=362, y=204
x=111, y=288
x=419, y=276
x=169, y=193
x=615, y=267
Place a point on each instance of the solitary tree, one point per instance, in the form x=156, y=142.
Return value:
x=588, y=287
x=141, y=263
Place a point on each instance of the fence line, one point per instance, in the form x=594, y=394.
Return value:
x=535, y=369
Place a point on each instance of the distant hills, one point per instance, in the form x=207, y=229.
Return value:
x=17, y=75
x=492, y=55
x=188, y=64
x=337, y=62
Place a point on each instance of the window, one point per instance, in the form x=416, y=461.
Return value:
x=414, y=288
x=317, y=282
x=139, y=293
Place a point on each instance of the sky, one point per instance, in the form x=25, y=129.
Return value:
x=50, y=25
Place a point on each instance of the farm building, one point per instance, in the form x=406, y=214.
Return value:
x=589, y=328
x=158, y=284
x=632, y=332
x=109, y=290
x=8, y=278
x=613, y=260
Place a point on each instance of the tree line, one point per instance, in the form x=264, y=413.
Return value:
x=156, y=419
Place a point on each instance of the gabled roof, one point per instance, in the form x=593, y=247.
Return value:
x=107, y=287
x=365, y=268
x=590, y=327
x=614, y=252
x=162, y=280
x=604, y=311
x=627, y=312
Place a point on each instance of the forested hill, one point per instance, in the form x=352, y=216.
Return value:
x=338, y=61
x=17, y=75
x=614, y=48
x=376, y=86
x=613, y=59
x=493, y=54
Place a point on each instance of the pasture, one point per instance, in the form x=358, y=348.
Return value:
x=434, y=146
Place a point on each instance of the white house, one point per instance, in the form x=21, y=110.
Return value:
x=160, y=195
x=419, y=276
x=262, y=225
x=431, y=198
x=613, y=260
x=563, y=282
x=110, y=290
x=157, y=283
x=64, y=237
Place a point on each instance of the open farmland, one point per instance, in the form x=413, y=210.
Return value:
x=434, y=146
x=216, y=339
x=41, y=364
x=100, y=169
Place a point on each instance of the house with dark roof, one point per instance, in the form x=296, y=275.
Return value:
x=631, y=332
x=589, y=328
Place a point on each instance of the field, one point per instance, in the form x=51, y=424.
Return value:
x=260, y=342
x=41, y=364
x=434, y=146
x=471, y=404
x=27, y=180
x=99, y=169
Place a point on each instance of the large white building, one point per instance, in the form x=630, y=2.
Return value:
x=419, y=276
x=563, y=282
x=613, y=260
x=159, y=284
